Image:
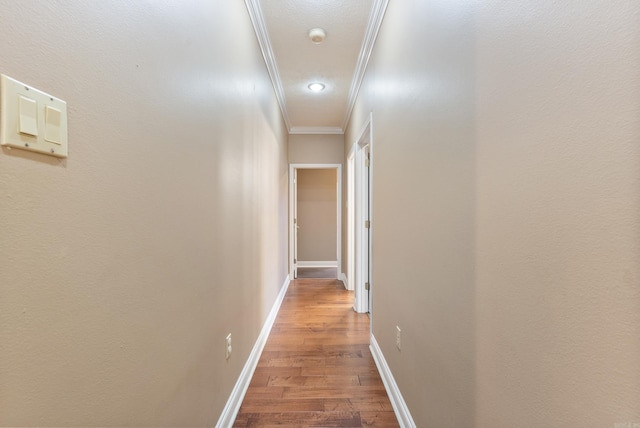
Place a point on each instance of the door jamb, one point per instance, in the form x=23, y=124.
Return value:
x=338, y=167
x=362, y=299
x=349, y=278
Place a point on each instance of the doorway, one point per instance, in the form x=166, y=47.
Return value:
x=359, y=219
x=315, y=220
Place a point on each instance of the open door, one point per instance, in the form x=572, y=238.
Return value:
x=295, y=223
x=363, y=247
x=350, y=278
x=361, y=228
x=297, y=219
x=367, y=231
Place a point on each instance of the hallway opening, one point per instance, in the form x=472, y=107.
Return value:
x=315, y=218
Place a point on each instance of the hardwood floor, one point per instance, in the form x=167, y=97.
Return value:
x=316, y=369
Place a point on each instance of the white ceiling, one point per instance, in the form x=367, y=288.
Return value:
x=294, y=61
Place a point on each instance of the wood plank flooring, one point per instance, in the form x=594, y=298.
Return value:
x=316, y=369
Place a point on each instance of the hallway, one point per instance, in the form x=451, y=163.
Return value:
x=504, y=214
x=316, y=368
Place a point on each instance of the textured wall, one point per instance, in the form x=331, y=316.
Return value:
x=558, y=221
x=506, y=209
x=124, y=267
x=317, y=215
x=313, y=148
x=422, y=98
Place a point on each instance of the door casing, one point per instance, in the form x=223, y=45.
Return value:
x=359, y=210
x=292, y=211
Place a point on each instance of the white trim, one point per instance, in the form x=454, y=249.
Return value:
x=371, y=219
x=363, y=265
x=373, y=27
x=395, y=396
x=292, y=168
x=260, y=27
x=315, y=165
x=316, y=130
x=371, y=33
x=230, y=411
x=331, y=264
x=345, y=281
x=350, y=271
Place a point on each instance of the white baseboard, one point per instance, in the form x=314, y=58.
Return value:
x=303, y=264
x=345, y=281
x=399, y=406
x=230, y=411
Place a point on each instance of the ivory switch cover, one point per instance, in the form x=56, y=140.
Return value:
x=31, y=119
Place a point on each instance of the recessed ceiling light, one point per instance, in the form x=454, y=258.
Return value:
x=317, y=35
x=316, y=87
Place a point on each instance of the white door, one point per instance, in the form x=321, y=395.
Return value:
x=367, y=231
x=351, y=222
x=295, y=223
x=362, y=230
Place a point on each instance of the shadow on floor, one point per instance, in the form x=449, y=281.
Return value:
x=318, y=272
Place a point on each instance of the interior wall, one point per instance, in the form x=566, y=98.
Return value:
x=508, y=141
x=316, y=148
x=423, y=163
x=317, y=215
x=319, y=149
x=558, y=213
x=125, y=266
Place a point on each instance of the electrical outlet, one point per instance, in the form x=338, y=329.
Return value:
x=398, y=338
x=227, y=346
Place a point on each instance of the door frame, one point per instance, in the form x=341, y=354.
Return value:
x=360, y=254
x=292, y=204
x=349, y=278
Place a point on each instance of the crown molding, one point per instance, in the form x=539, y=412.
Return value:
x=316, y=130
x=257, y=19
x=373, y=27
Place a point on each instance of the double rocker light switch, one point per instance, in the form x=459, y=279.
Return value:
x=31, y=119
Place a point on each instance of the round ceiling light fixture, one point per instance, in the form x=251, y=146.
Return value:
x=316, y=86
x=317, y=35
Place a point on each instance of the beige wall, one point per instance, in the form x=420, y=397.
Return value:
x=317, y=215
x=124, y=267
x=507, y=138
x=316, y=148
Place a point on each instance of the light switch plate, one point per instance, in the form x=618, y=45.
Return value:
x=45, y=133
